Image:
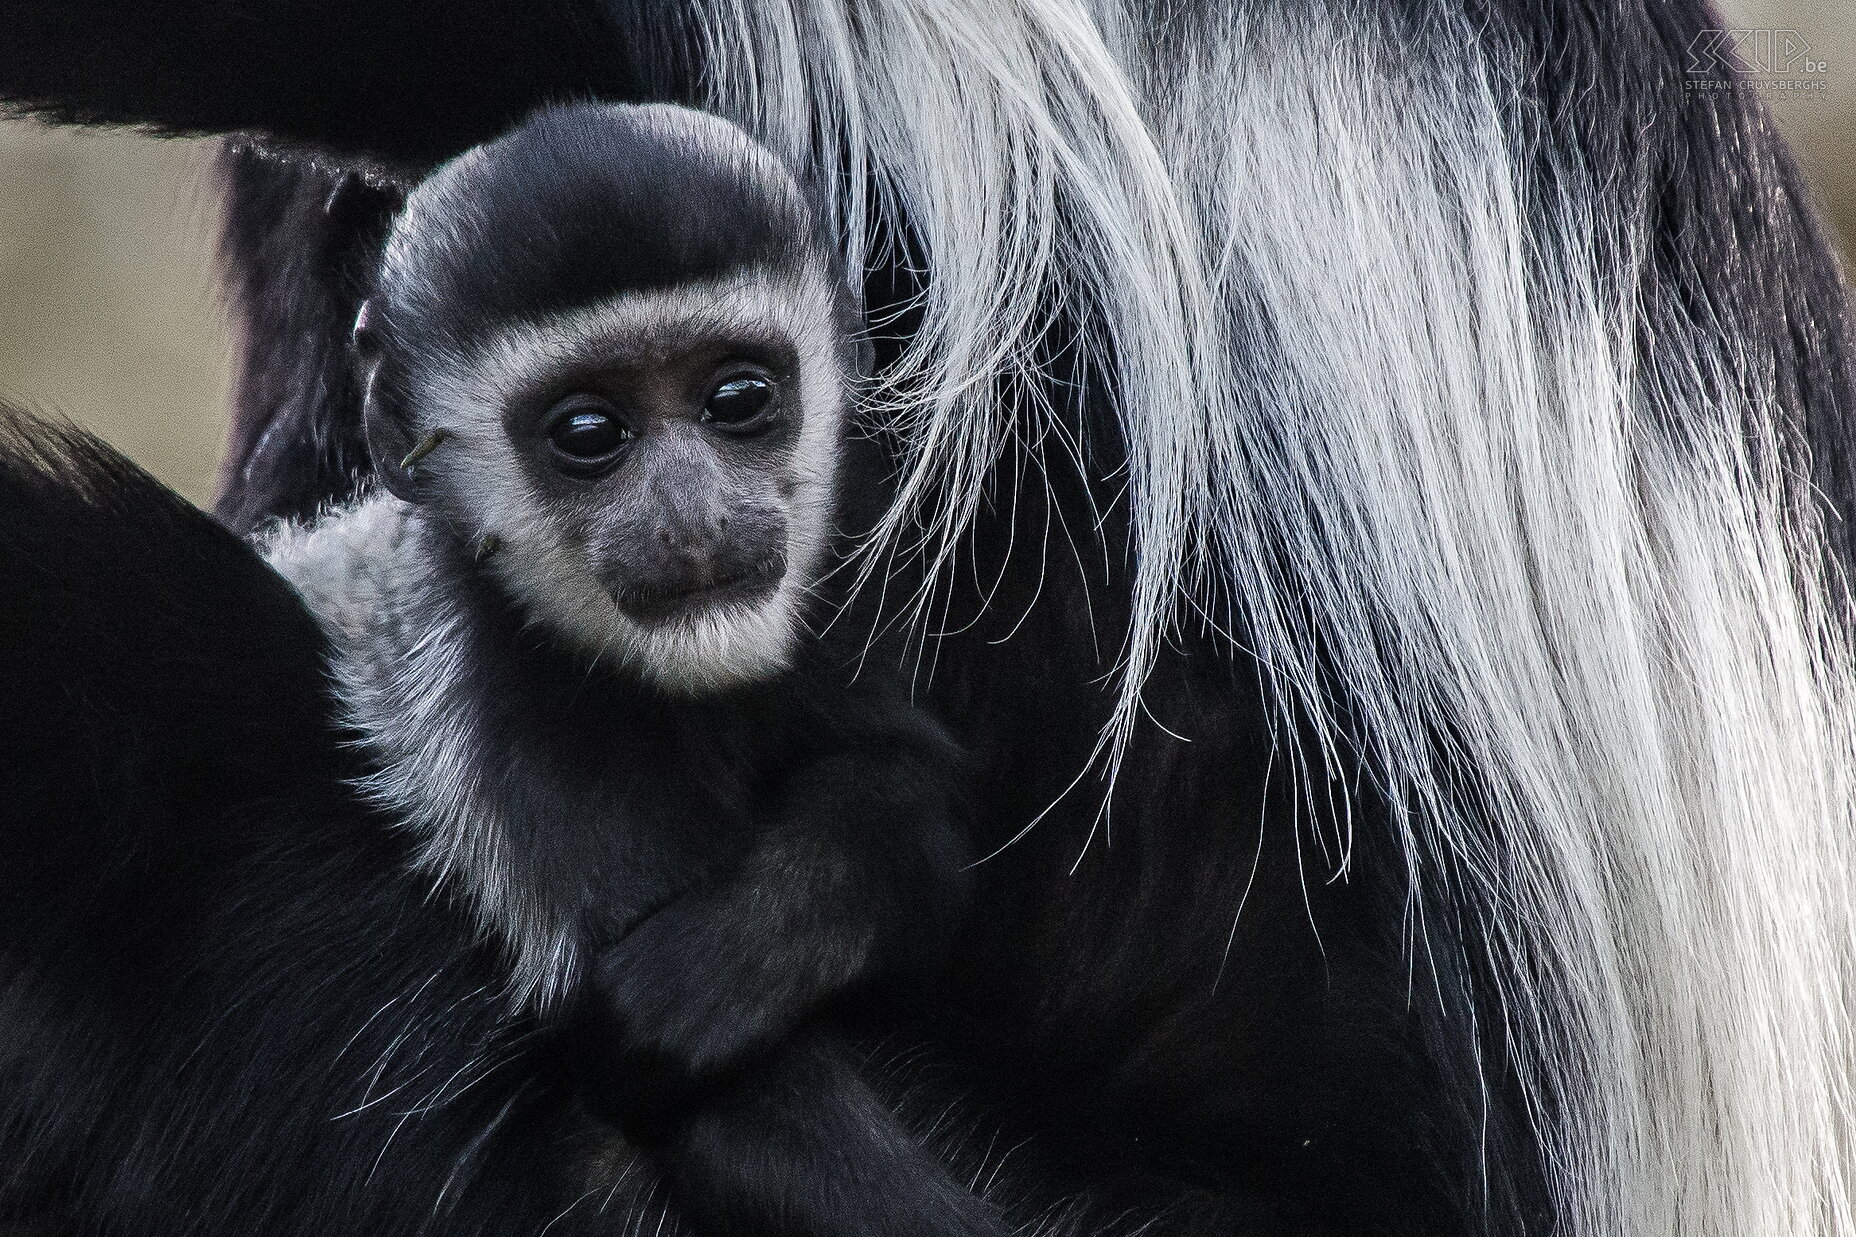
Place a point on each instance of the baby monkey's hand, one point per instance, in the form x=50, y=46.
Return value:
x=834, y=894
x=710, y=983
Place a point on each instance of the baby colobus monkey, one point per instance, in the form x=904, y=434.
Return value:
x=607, y=368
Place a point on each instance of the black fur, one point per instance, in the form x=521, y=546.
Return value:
x=218, y=977
x=222, y=978
x=1137, y=1075
x=744, y=863
x=212, y=67
x=581, y=204
x=298, y=227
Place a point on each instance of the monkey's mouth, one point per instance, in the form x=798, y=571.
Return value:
x=658, y=604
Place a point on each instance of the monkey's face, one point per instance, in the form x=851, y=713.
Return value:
x=653, y=474
x=624, y=326
x=673, y=465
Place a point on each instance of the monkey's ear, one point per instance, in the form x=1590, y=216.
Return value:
x=389, y=435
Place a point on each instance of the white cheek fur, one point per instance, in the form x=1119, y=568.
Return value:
x=483, y=487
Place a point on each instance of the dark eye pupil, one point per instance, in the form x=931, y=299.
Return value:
x=738, y=401
x=587, y=435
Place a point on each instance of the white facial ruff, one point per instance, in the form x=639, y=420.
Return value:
x=483, y=485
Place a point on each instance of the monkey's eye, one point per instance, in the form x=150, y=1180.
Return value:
x=740, y=404
x=586, y=433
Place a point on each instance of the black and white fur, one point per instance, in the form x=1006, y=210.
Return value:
x=1444, y=408
x=572, y=639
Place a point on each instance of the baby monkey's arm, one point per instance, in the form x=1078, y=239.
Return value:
x=861, y=876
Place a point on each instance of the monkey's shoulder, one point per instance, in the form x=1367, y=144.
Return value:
x=342, y=564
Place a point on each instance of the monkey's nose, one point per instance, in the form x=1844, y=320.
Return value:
x=681, y=583
x=684, y=564
x=693, y=538
x=692, y=567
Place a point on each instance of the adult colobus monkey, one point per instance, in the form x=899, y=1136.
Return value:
x=1404, y=445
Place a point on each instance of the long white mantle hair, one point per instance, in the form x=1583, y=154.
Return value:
x=1386, y=397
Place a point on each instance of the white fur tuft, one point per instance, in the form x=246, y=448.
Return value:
x=405, y=689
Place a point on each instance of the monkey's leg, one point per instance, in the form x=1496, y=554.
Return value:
x=801, y=1146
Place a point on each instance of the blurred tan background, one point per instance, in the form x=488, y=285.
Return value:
x=109, y=308
x=110, y=313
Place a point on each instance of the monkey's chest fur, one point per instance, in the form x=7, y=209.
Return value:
x=559, y=799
